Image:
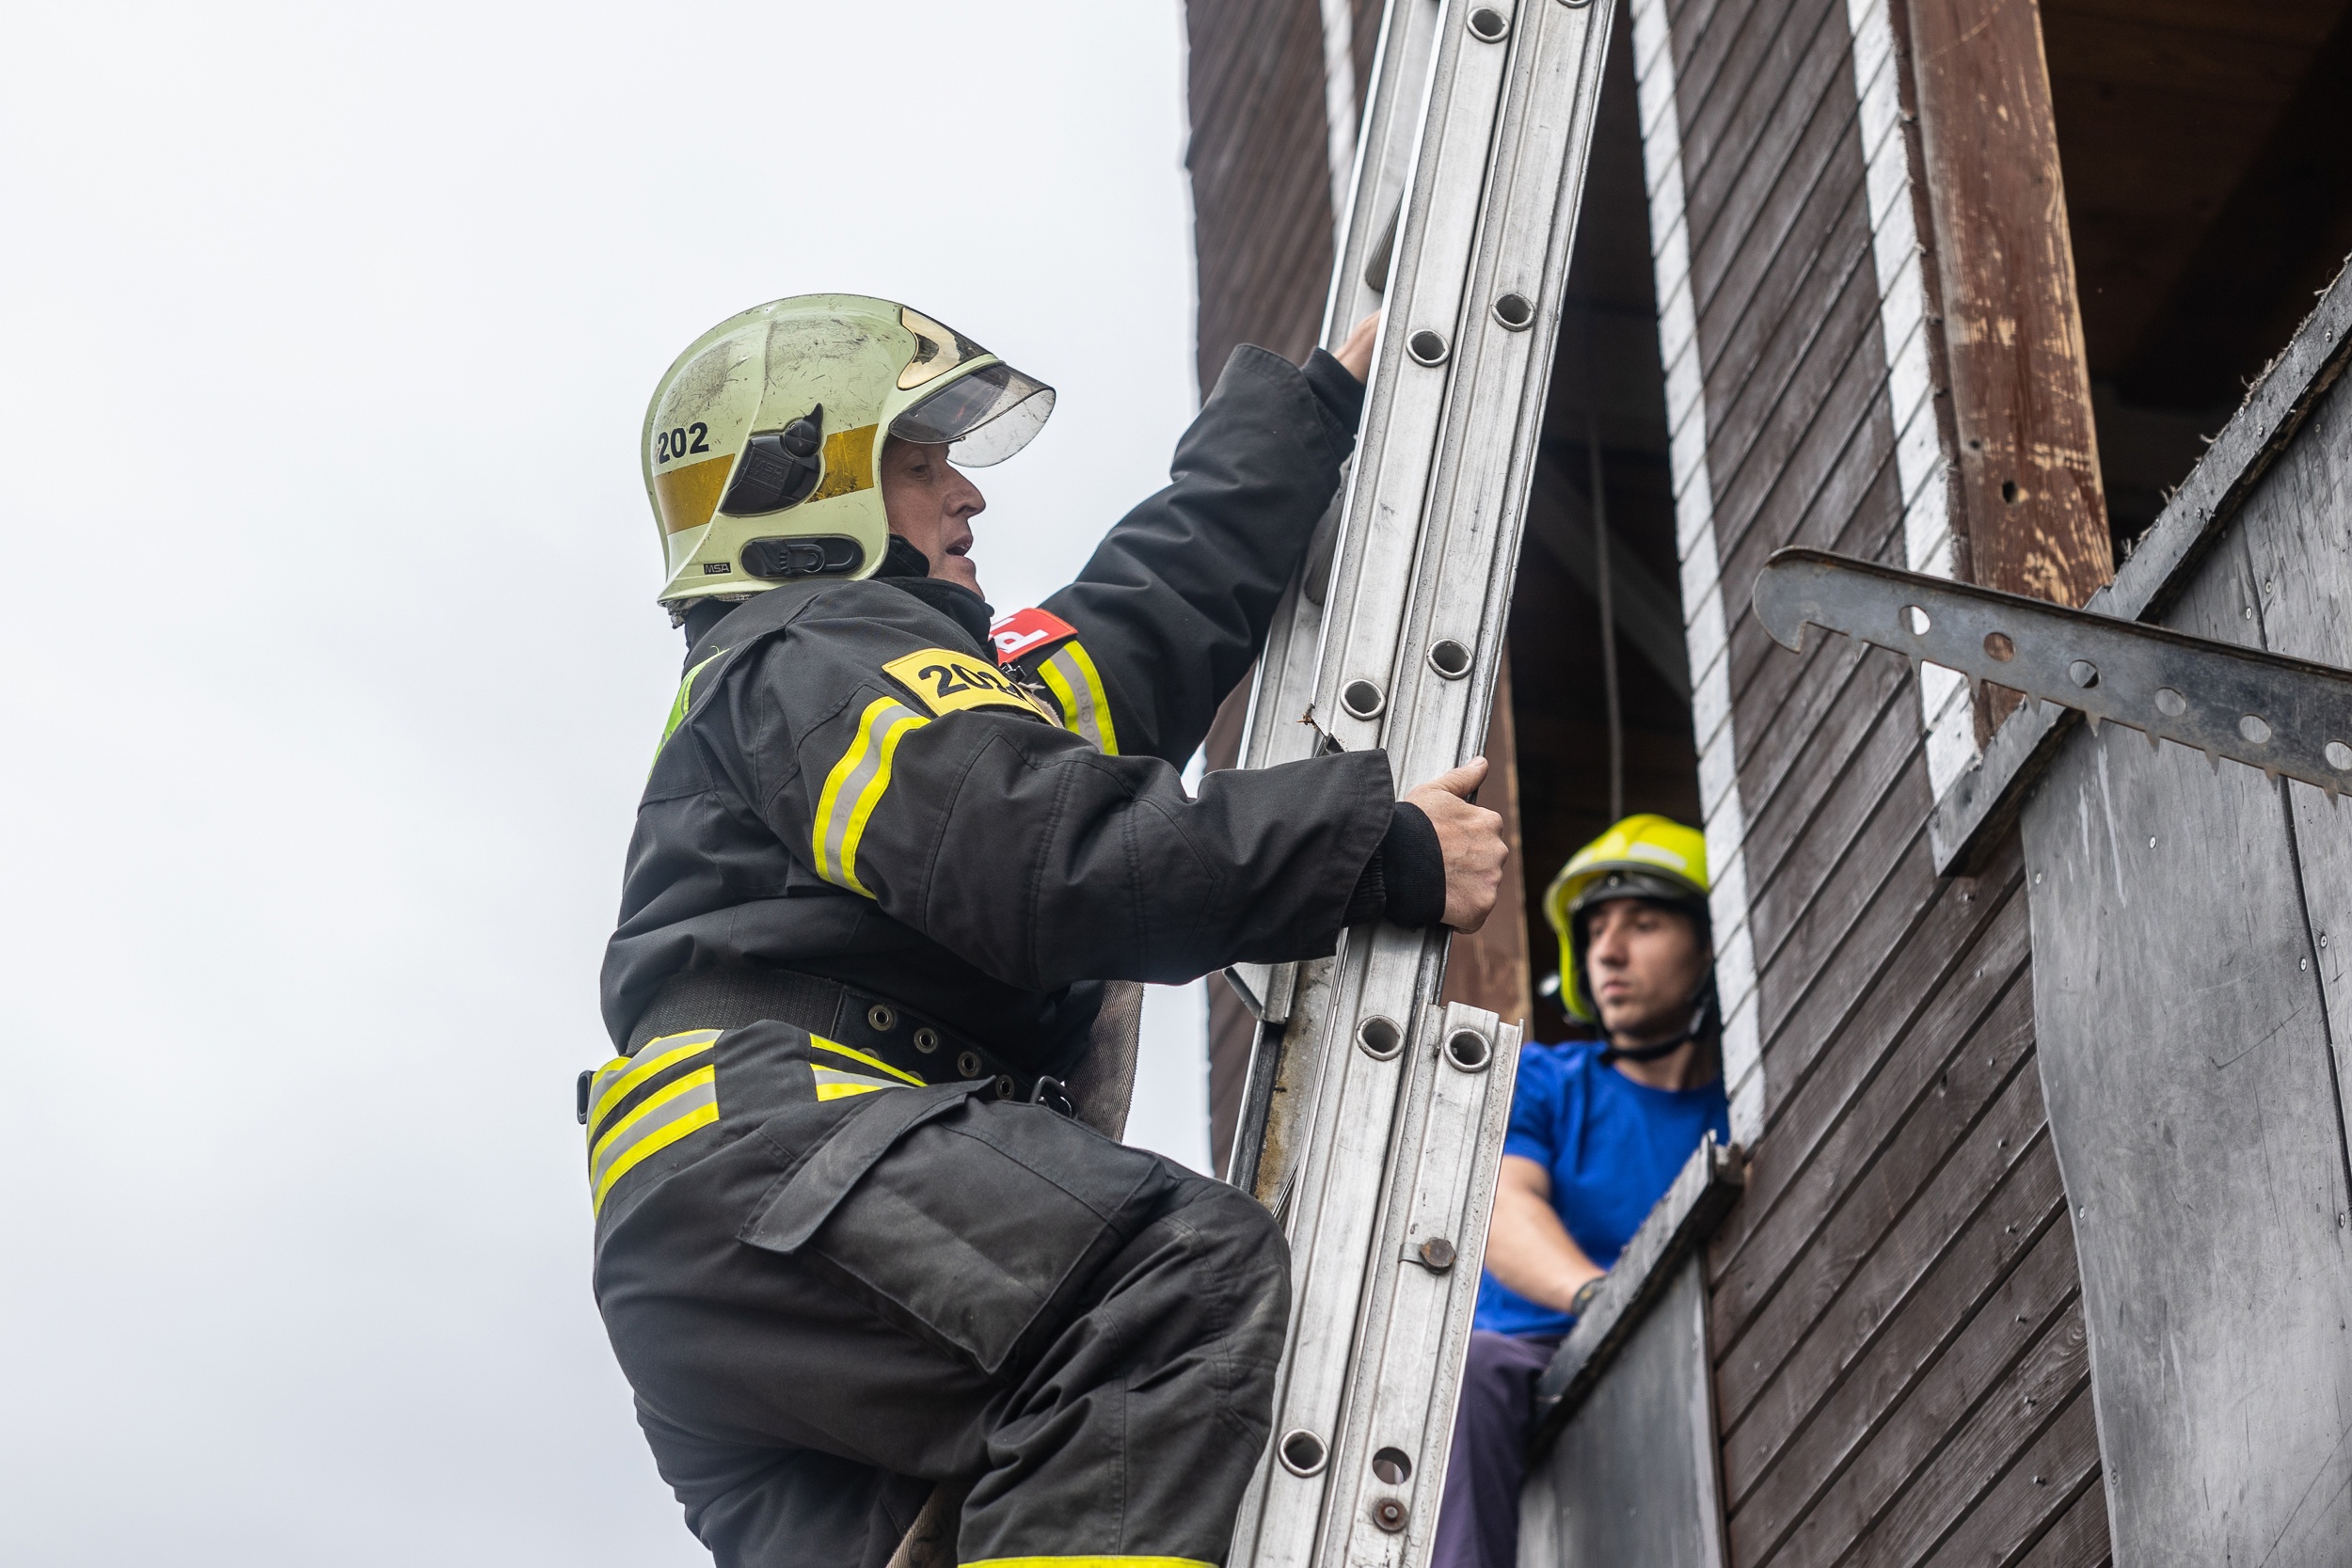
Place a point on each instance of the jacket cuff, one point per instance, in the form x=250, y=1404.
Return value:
x=1339, y=397
x=1405, y=880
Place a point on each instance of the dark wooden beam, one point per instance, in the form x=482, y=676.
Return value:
x=2033, y=518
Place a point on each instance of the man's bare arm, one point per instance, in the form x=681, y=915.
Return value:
x=1527, y=1247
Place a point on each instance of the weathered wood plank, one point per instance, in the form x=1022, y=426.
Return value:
x=1965, y=1483
x=1765, y=82
x=2036, y=522
x=1956, y=1339
x=1261, y=181
x=1993, y=1523
x=1801, y=1004
x=1715, y=49
x=1834, y=1316
x=1777, y=1305
x=1843, y=889
x=2194, y=1107
x=1856, y=1025
x=2078, y=1540
x=1771, y=460
x=1781, y=700
x=1798, y=836
x=1791, y=719
x=2297, y=532
x=1932, y=1084
x=1631, y=1478
x=1792, y=99
x=1778, y=287
x=1799, y=438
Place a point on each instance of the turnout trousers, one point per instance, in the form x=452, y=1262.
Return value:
x=834, y=1290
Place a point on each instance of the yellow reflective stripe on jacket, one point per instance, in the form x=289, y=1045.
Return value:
x=622, y=1073
x=854, y=789
x=661, y=1120
x=681, y=702
x=834, y=1083
x=1070, y=674
x=818, y=1042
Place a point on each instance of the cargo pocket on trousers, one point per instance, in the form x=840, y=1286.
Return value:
x=977, y=1229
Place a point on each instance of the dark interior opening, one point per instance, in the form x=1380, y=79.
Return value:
x=1608, y=391
x=2209, y=194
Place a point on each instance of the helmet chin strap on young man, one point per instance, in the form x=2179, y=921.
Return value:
x=1649, y=858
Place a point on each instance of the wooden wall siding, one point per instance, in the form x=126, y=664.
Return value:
x=1261, y=176
x=1895, y=1309
x=2028, y=458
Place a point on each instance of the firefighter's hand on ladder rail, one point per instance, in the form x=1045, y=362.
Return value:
x=1470, y=838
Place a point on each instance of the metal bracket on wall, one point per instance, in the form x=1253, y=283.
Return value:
x=2284, y=716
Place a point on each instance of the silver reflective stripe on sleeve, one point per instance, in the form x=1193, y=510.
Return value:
x=855, y=787
x=1069, y=673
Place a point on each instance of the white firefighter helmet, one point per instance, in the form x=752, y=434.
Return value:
x=763, y=442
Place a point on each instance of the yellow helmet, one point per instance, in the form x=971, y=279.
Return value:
x=1641, y=857
x=763, y=442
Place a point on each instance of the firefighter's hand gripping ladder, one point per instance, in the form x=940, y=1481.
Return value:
x=1373, y=1118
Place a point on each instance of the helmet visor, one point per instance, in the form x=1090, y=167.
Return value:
x=984, y=418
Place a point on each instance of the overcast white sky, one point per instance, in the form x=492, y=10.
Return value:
x=330, y=670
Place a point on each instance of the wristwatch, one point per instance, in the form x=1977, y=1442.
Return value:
x=1584, y=1295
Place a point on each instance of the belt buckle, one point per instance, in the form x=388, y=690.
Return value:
x=1054, y=1095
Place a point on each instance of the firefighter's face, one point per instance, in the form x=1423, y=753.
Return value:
x=930, y=505
x=1643, y=961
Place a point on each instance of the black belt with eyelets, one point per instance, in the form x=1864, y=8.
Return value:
x=911, y=1041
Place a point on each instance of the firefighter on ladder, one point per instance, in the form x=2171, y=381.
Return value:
x=851, y=1238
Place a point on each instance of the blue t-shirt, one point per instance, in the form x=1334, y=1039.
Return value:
x=1612, y=1147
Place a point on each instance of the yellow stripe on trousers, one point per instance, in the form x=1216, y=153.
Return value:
x=621, y=1148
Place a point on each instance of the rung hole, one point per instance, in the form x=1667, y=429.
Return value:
x=1380, y=1037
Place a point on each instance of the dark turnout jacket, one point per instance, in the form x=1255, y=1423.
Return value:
x=851, y=787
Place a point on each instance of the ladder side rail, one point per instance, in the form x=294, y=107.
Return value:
x=1401, y=74
x=1383, y=972
x=1281, y=995
x=1487, y=460
x=1441, y=1198
x=1494, y=412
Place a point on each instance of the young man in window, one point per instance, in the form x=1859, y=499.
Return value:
x=1599, y=1128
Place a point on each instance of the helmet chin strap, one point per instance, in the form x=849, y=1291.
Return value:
x=1701, y=1011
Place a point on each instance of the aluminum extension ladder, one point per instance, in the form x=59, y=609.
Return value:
x=1372, y=1118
